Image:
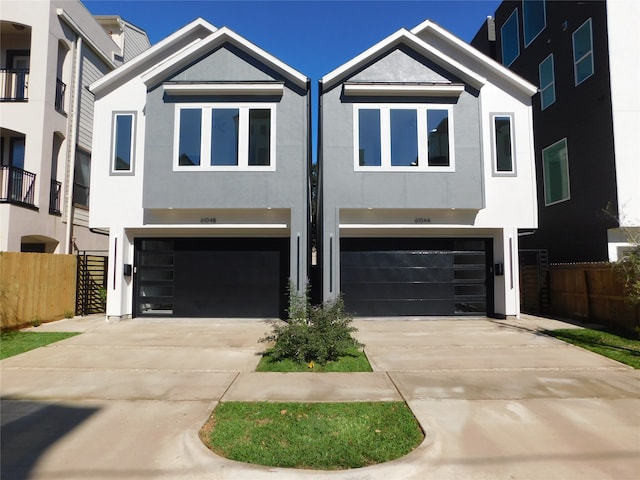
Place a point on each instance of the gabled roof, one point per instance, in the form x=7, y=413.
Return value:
x=411, y=40
x=176, y=51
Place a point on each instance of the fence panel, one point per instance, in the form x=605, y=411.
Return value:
x=35, y=287
x=591, y=292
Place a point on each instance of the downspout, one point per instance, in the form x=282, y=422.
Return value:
x=73, y=140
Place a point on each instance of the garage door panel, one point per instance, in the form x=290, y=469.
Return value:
x=395, y=274
x=398, y=291
x=398, y=259
x=380, y=308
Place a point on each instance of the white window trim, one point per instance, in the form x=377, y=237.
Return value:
x=112, y=158
x=589, y=53
x=549, y=85
x=243, y=138
x=385, y=137
x=515, y=12
x=524, y=23
x=544, y=172
x=496, y=172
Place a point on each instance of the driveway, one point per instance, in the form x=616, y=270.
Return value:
x=496, y=399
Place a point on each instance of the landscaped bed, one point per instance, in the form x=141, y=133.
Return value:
x=13, y=343
x=354, y=361
x=323, y=436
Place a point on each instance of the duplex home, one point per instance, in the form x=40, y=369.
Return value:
x=200, y=175
x=585, y=59
x=426, y=174
x=49, y=53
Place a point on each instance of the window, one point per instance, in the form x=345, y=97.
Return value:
x=403, y=137
x=547, y=82
x=533, y=19
x=225, y=137
x=123, y=143
x=510, y=38
x=583, y=52
x=556, y=173
x=81, y=174
x=503, y=143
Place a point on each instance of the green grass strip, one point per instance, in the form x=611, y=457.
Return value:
x=621, y=349
x=13, y=343
x=322, y=436
x=354, y=361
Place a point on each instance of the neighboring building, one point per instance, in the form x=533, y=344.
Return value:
x=426, y=176
x=200, y=174
x=585, y=58
x=49, y=54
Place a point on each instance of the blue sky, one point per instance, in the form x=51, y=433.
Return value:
x=314, y=37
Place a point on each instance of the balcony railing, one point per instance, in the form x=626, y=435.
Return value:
x=17, y=186
x=61, y=89
x=54, y=197
x=14, y=85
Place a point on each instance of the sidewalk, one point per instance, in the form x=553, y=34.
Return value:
x=497, y=399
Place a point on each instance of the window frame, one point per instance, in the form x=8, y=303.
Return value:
x=494, y=147
x=114, y=125
x=583, y=57
x=513, y=15
x=385, y=137
x=524, y=20
x=243, y=136
x=545, y=172
x=552, y=84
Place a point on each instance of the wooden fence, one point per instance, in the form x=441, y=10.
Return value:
x=35, y=287
x=591, y=292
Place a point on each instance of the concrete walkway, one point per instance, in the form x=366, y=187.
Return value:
x=497, y=400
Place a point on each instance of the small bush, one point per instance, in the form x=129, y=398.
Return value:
x=313, y=333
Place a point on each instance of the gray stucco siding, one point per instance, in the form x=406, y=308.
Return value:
x=284, y=187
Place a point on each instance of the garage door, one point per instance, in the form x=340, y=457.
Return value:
x=204, y=277
x=388, y=277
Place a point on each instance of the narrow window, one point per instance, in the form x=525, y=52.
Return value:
x=225, y=124
x=533, y=19
x=259, y=136
x=369, y=138
x=547, y=82
x=503, y=144
x=583, y=52
x=556, y=173
x=510, y=38
x=438, y=138
x=122, y=160
x=404, y=138
x=190, y=137
x=81, y=176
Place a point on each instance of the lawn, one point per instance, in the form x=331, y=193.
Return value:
x=13, y=343
x=322, y=436
x=354, y=361
x=622, y=349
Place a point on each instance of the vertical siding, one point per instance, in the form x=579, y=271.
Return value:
x=92, y=69
x=135, y=42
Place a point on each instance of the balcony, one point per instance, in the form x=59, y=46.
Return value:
x=14, y=85
x=54, y=198
x=17, y=186
x=61, y=89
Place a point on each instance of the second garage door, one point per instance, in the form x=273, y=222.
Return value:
x=389, y=277
x=208, y=277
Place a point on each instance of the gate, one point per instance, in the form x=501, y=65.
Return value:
x=534, y=281
x=91, y=296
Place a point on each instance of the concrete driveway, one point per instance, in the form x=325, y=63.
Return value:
x=496, y=399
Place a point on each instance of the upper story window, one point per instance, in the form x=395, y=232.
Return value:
x=503, y=146
x=225, y=137
x=123, y=142
x=533, y=19
x=547, y=82
x=583, y=52
x=403, y=137
x=555, y=165
x=510, y=39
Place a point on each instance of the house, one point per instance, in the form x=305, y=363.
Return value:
x=49, y=54
x=426, y=175
x=585, y=59
x=201, y=176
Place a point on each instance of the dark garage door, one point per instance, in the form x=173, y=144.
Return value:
x=388, y=277
x=204, y=277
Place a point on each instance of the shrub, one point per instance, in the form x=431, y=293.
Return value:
x=317, y=334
